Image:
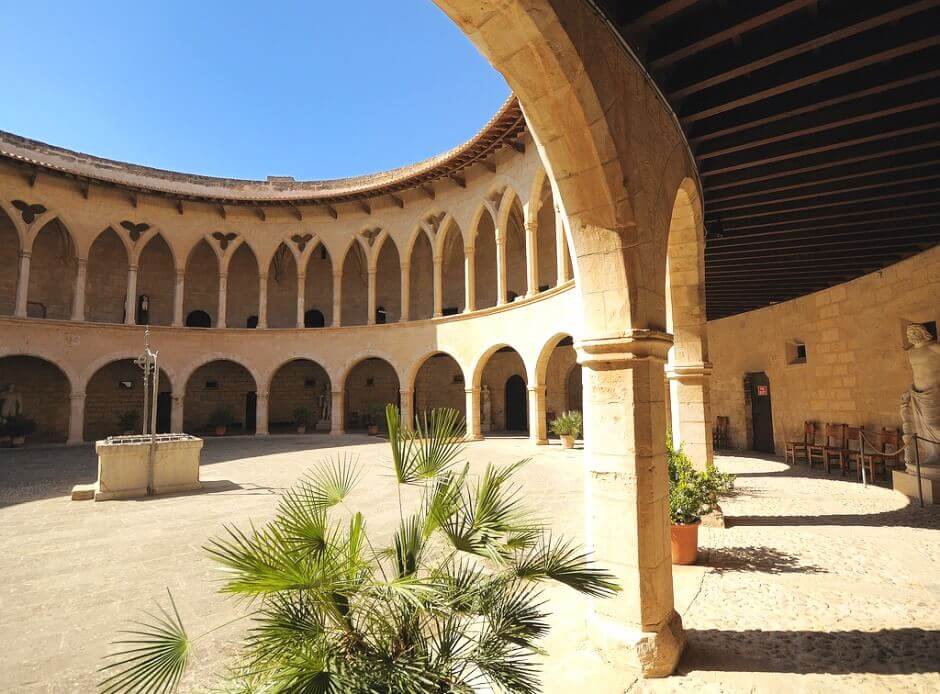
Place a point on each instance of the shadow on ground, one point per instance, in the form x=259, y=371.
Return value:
x=762, y=559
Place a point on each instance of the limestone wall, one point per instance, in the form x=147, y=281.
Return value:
x=855, y=368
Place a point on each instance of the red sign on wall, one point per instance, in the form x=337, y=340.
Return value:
x=762, y=390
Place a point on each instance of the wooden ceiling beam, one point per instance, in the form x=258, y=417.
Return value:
x=458, y=179
x=297, y=213
x=842, y=244
x=428, y=190
x=663, y=11
x=365, y=207
x=841, y=215
x=179, y=206
x=330, y=209
x=221, y=211
x=260, y=212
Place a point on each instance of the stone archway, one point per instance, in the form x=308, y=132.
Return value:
x=44, y=390
x=368, y=387
x=220, y=386
x=299, y=384
x=116, y=389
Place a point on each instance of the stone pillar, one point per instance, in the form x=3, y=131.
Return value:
x=370, y=317
x=223, y=299
x=337, y=298
x=337, y=422
x=301, y=299
x=561, y=247
x=500, y=270
x=78, y=296
x=130, y=299
x=690, y=407
x=407, y=408
x=473, y=414
x=262, y=301
x=405, y=292
x=76, y=418
x=538, y=430
x=261, y=414
x=176, y=413
x=469, y=280
x=627, y=499
x=438, y=286
x=22, y=284
x=178, y=300
x=532, y=257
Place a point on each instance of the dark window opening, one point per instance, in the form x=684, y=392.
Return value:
x=543, y=287
x=212, y=385
x=252, y=322
x=198, y=319
x=380, y=315
x=450, y=311
x=314, y=319
x=511, y=296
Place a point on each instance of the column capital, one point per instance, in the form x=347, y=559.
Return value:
x=262, y=276
x=133, y=268
x=640, y=343
x=180, y=273
x=82, y=261
x=223, y=275
x=536, y=389
x=405, y=391
x=471, y=391
x=261, y=394
x=26, y=253
x=532, y=225
x=689, y=373
x=77, y=396
x=302, y=276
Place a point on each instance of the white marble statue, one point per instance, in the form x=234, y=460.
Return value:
x=11, y=402
x=920, y=406
x=486, y=409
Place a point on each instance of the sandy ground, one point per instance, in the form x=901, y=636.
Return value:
x=817, y=584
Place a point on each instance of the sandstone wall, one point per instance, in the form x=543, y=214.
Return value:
x=44, y=390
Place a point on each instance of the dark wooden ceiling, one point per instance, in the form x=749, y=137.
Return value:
x=816, y=128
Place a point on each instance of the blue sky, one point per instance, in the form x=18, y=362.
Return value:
x=303, y=88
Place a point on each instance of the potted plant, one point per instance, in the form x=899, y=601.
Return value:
x=129, y=422
x=18, y=427
x=372, y=421
x=219, y=420
x=568, y=427
x=301, y=419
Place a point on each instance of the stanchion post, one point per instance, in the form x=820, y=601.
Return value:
x=920, y=489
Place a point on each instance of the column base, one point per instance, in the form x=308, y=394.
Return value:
x=339, y=432
x=540, y=442
x=904, y=482
x=74, y=442
x=649, y=653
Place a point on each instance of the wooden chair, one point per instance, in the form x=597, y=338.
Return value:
x=851, y=455
x=720, y=433
x=794, y=448
x=888, y=439
x=832, y=446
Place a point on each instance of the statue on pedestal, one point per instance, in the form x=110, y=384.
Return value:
x=486, y=409
x=920, y=406
x=11, y=402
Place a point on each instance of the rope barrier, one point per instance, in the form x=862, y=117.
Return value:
x=913, y=439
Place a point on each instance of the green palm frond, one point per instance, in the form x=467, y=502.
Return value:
x=515, y=613
x=404, y=461
x=499, y=506
x=329, y=483
x=409, y=543
x=439, y=442
x=562, y=561
x=153, y=661
x=442, y=499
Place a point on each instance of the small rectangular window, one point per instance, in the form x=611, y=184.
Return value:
x=212, y=385
x=796, y=352
x=310, y=383
x=370, y=381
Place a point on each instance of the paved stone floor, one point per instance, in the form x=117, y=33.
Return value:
x=817, y=584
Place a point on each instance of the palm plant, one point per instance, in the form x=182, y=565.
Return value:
x=450, y=604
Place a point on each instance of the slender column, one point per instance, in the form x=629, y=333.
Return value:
x=532, y=257
x=178, y=304
x=370, y=319
x=262, y=301
x=176, y=413
x=438, y=286
x=405, y=292
x=500, y=270
x=78, y=297
x=301, y=299
x=469, y=280
x=223, y=299
x=627, y=499
x=130, y=300
x=337, y=422
x=22, y=284
x=76, y=418
x=690, y=407
x=473, y=414
x=337, y=298
x=261, y=414
x=407, y=408
x=538, y=432
x=561, y=247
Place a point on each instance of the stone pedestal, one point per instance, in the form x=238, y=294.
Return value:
x=906, y=483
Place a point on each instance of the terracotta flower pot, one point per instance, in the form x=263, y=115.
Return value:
x=567, y=440
x=220, y=431
x=302, y=429
x=373, y=431
x=684, y=543
x=18, y=441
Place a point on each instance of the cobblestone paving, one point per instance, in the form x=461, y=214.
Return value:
x=817, y=585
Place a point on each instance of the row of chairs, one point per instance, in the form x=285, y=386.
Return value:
x=841, y=447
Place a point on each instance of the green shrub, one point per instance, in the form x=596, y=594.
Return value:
x=692, y=493
x=568, y=424
x=18, y=425
x=301, y=416
x=221, y=417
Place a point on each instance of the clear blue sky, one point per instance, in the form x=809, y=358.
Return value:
x=304, y=88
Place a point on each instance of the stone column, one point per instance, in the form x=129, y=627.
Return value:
x=627, y=499
x=337, y=422
x=532, y=257
x=262, y=301
x=438, y=286
x=337, y=298
x=130, y=299
x=407, y=408
x=76, y=419
x=370, y=317
x=178, y=299
x=690, y=406
x=405, y=292
x=78, y=297
x=223, y=299
x=561, y=247
x=538, y=431
x=176, y=413
x=261, y=414
x=473, y=414
x=301, y=299
x=22, y=284
x=469, y=280
x=500, y=270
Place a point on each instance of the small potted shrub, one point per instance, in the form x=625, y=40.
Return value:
x=129, y=422
x=18, y=427
x=219, y=420
x=373, y=418
x=568, y=427
x=301, y=419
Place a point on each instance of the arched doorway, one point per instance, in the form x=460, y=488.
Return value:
x=52, y=273
x=201, y=287
x=318, y=289
x=370, y=386
x=313, y=318
x=517, y=410
x=304, y=385
x=44, y=394
x=106, y=279
x=562, y=373
x=198, y=319
x=496, y=412
x=439, y=383
x=116, y=390
x=220, y=390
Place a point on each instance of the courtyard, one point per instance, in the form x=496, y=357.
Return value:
x=817, y=582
